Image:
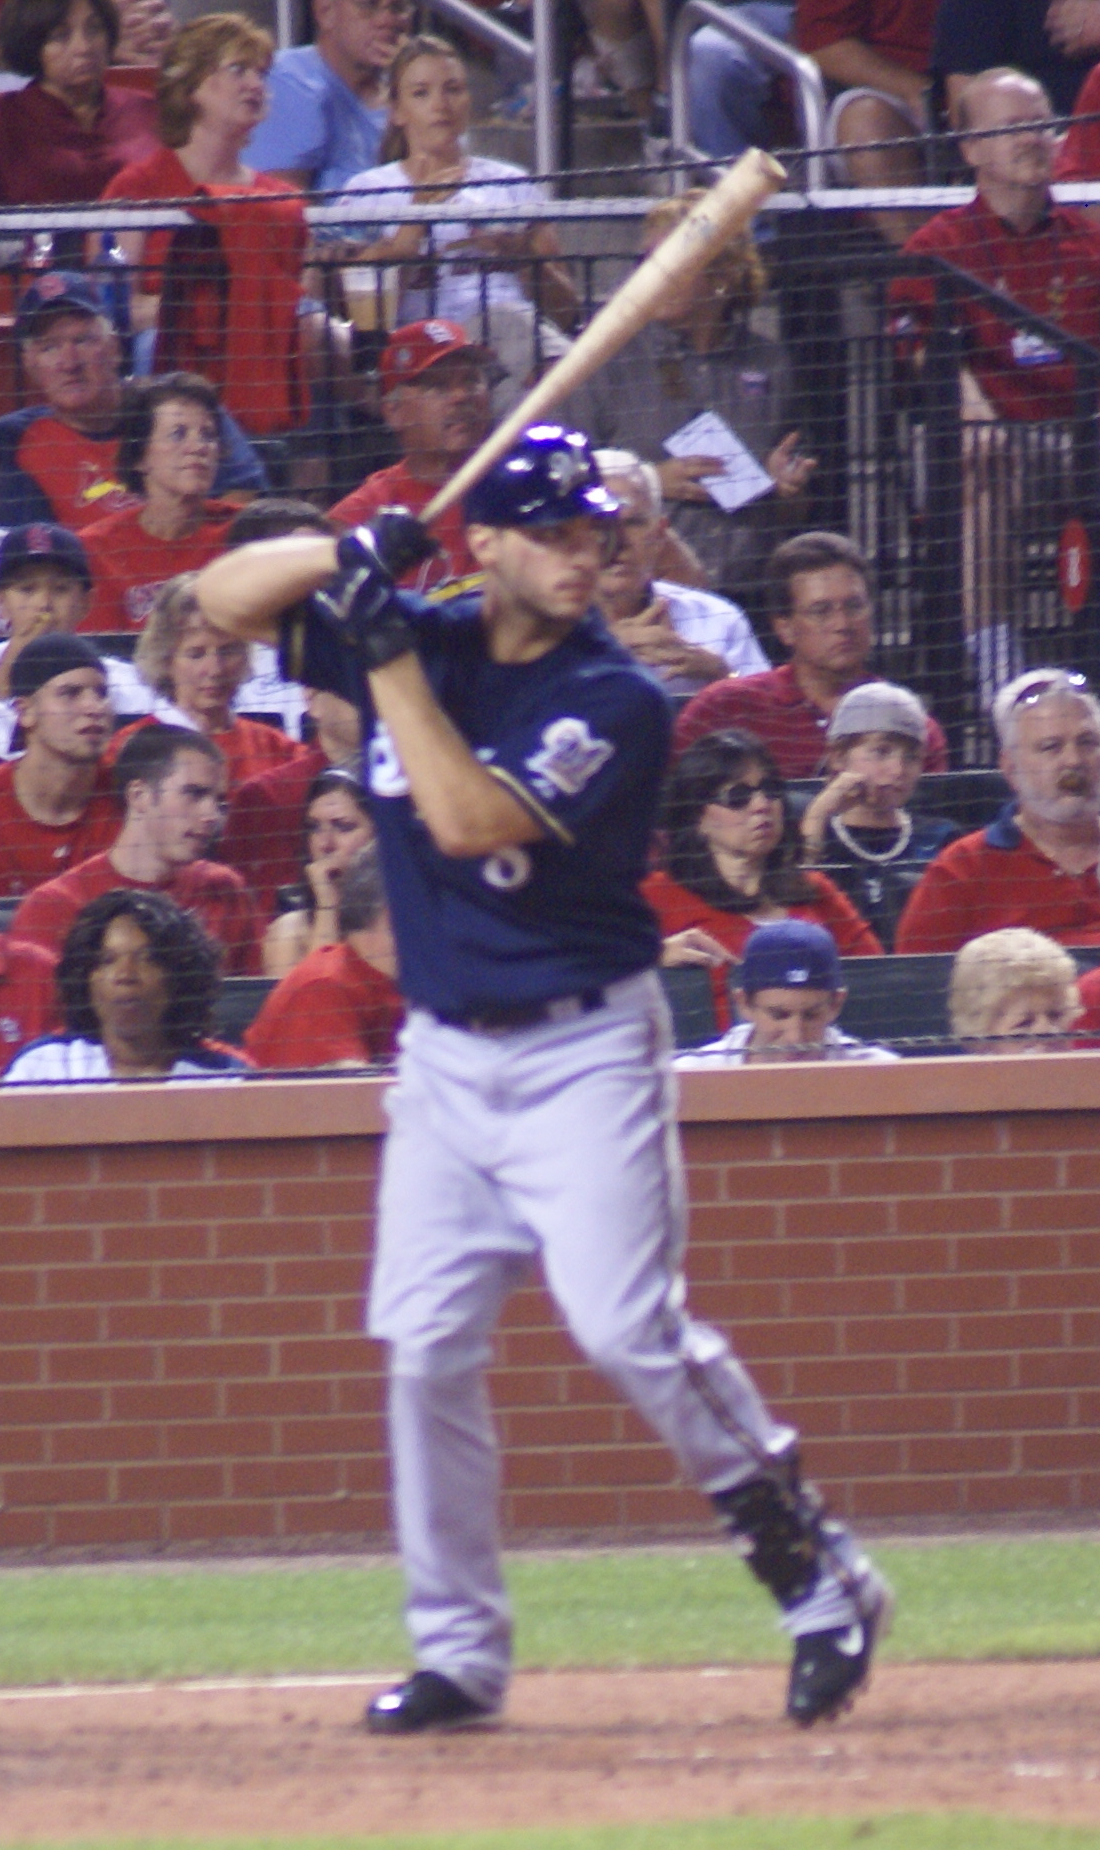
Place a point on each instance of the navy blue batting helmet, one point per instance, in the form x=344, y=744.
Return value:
x=549, y=475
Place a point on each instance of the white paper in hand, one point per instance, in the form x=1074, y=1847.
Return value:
x=742, y=479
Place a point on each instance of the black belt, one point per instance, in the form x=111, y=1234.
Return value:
x=509, y=1017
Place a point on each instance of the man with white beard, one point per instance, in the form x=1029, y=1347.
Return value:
x=1036, y=864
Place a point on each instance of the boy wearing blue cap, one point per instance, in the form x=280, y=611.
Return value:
x=790, y=994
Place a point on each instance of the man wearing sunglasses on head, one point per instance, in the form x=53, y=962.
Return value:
x=1036, y=863
x=819, y=590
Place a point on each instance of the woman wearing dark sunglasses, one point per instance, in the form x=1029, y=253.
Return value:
x=730, y=862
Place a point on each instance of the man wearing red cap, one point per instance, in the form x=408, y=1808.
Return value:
x=435, y=396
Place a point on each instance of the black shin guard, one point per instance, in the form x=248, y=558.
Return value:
x=776, y=1522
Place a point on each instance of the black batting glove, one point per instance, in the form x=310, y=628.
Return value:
x=360, y=603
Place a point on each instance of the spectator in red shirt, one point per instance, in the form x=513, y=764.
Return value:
x=56, y=804
x=195, y=672
x=730, y=862
x=819, y=587
x=875, y=56
x=28, y=997
x=68, y=133
x=169, y=455
x=172, y=783
x=339, y=1006
x=1015, y=239
x=435, y=396
x=1036, y=864
x=1079, y=155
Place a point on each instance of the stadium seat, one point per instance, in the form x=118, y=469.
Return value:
x=239, y=1002
x=691, y=999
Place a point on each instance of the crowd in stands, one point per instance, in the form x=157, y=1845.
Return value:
x=177, y=809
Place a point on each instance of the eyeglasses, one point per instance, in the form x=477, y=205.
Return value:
x=1039, y=686
x=821, y=611
x=740, y=795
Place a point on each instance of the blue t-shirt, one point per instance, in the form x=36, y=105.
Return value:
x=314, y=122
x=580, y=737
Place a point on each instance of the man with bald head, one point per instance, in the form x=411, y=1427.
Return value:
x=1014, y=238
x=1036, y=864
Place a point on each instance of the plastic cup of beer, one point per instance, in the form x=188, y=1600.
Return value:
x=371, y=291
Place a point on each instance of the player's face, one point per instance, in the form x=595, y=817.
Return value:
x=233, y=98
x=1022, y=156
x=789, y=1024
x=745, y=817
x=1031, y=1013
x=72, y=365
x=828, y=625
x=207, y=669
x=181, y=456
x=364, y=35
x=75, y=55
x=446, y=410
x=336, y=829
x=187, y=813
x=1053, y=762
x=888, y=765
x=547, y=572
x=628, y=577
x=41, y=598
x=432, y=104
x=128, y=988
x=70, y=717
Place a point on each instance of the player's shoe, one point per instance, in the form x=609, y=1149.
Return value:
x=830, y=1666
x=427, y=1700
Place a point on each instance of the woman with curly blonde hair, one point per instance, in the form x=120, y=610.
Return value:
x=1013, y=990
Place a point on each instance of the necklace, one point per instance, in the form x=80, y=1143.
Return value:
x=905, y=836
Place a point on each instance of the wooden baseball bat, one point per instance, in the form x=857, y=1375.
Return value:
x=688, y=248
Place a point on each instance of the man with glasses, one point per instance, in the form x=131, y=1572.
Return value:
x=820, y=594
x=1036, y=863
x=515, y=755
x=327, y=110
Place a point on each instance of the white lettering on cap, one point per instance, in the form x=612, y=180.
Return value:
x=441, y=336
x=798, y=975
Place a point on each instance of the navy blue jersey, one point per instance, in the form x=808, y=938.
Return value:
x=580, y=737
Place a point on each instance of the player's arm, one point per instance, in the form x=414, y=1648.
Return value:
x=246, y=591
x=466, y=808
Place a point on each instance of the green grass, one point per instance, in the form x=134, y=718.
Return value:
x=963, y=1600
x=891, y=1831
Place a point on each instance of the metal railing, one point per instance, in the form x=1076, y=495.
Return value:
x=811, y=108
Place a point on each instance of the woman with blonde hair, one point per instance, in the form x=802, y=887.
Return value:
x=701, y=354
x=1015, y=990
x=223, y=293
x=502, y=282
x=195, y=671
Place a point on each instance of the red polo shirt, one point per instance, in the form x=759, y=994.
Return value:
x=249, y=747
x=679, y=909
x=33, y=852
x=396, y=487
x=129, y=566
x=28, y=999
x=1053, y=269
x=774, y=707
x=900, y=29
x=332, y=1006
x=47, y=157
x=215, y=893
x=995, y=878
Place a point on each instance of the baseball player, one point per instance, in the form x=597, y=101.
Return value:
x=514, y=757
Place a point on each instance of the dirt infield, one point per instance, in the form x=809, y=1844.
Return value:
x=284, y=1758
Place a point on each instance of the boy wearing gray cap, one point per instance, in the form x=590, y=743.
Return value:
x=859, y=828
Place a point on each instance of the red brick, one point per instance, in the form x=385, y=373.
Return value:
x=348, y=1238
x=896, y=1257
x=215, y=1522
x=1082, y=1169
x=1014, y=1252
x=1058, y=1290
x=705, y=1184
x=273, y=1317
x=147, y=1162
x=24, y=1529
x=267, y=1239
x=945, y=1136
x=1030, y=1212
x=1015, y=1411
x=556, y=1509
x=108, y=1362
x=61, y=1246
x=532, y=1348
x=1083, y=1249
x=874, y=1457
x=1055, y=1130
x=960, y=1374
x=317, y=1198
x=323, y=1356
x=843, y=1297
x=98, y=1284
x=357, y=1394
x=106, y=1528
x=214, y=1279
x=25, y=1487
x=18, y=1366
x=19, y=1208
x=543, y=1469
x=951, y=1454
x=1004, y=1174
x=28, y=1168
x=904, y=1413
x=347, y=1156
x=95, y=1207
x=49, y=1406
x=645, y=1508
x=169, y=1483
x=625, y=1466
x=817, y=1418
x=194, y=1201
x=1032, y=1329
x=910, y=1496
x=728, y=1143
x=1017, y=1492
x=219, y=1439
x=191, y=1400
x=37, y=1324
x=869, y=1137
x=245, y=1399
x=344, y=1435
x=150, y=1243
x=961, y=1214
x=796, y=1336
x=320, y=1277
x=959, y=1291
x=157, y=1322
x=785, y=1181
x=362, y=1477
x=792, y=1258
x=845, y=1377
x=239, y=1162
x=219, y=1360
x=359, y=1516
x=71, y=1445
x=893, y=1177
x=845, y=1220
x=20, y=1284
x=1058, y=1451
x=733, y=1223
x=901, y=1335
x=24, y=1445
x=283, y=1477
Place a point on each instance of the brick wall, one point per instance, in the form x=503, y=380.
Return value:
x=909, y=1258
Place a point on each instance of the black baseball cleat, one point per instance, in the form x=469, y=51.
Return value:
x=427, y=1700
x=829, y=1667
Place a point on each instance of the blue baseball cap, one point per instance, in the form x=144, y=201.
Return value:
x=57, y=292
x=549, y=475
x=791, y=954
x=43, y=541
